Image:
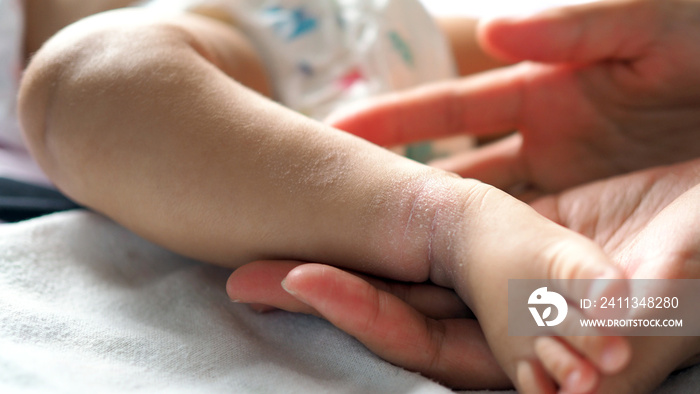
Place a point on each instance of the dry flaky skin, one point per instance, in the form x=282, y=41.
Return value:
x=156, y=123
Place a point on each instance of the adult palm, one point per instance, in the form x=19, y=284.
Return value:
x=646, y=221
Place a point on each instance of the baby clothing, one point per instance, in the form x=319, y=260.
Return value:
x=322, y=54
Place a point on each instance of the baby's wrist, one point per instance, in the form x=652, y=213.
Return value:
x=431, y=223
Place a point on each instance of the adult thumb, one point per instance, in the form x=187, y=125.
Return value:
x=584, y=33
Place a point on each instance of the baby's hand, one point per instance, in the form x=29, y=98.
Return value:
x=475, y=247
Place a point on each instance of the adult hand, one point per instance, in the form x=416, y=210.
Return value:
x=645, y=221
x=615, y=88
x=419, y=327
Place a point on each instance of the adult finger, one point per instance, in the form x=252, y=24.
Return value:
x=582, y=33
x=259, y=284
x=453, y=351
x=430, y=300
x=481, y=105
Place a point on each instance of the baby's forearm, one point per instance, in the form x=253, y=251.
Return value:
x=139, y=124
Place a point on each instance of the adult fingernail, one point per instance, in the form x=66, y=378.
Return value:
x=287, y=289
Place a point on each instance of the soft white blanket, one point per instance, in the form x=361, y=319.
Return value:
x=86, y=306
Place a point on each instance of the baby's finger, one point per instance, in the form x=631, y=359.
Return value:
x=452, y=351
x=483, y=104
x=573, y=373
x=610, y=354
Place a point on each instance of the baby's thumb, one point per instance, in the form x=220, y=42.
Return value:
x=583, y=33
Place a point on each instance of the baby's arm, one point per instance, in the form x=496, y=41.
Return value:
x=131, y=115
